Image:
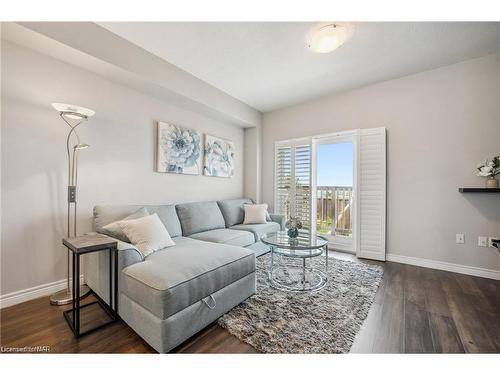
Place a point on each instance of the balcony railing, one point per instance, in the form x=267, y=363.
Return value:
x=333, y=210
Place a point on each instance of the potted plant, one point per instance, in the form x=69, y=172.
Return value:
x=293, y=225
x=490, y=169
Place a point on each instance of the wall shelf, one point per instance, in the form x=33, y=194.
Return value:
x=479, y=190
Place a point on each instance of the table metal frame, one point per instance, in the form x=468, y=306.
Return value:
x=314, y=251
x=72, y=316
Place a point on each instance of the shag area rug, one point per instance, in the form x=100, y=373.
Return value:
x=326, y=321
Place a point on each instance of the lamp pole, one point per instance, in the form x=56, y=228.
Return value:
x=79, y=114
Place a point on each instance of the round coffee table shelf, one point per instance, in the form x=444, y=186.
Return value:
x=296, y=277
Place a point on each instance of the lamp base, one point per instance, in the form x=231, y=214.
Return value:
x=64, y=297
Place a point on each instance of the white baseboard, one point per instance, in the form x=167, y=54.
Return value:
x=445, y=266
x=24, y=295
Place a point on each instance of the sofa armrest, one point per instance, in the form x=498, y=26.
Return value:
x=96, y=266
x=125, y=246
x=125, y=249
x=280, y=219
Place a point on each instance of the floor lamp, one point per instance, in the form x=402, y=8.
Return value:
x=73, y=116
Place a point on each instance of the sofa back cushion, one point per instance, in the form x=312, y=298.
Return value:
x=104, y=215
x=232, y=210
x=199, y=217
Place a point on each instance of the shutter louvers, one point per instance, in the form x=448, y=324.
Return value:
x=302, y=201
x=371, y=193
x=293, y=182
x=283, y=180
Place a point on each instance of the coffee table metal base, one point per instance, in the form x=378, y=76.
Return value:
x=296, y=278
x=287, y=273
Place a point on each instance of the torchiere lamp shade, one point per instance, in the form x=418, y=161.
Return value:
x=73, y=111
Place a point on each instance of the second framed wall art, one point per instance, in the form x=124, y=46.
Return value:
x=219, y=157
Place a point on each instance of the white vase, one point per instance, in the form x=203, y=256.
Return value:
x=491, y=183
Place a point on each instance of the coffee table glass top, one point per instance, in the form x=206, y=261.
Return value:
x=305, y=241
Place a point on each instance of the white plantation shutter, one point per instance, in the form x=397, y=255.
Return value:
x=371, y=193
x=302, y=169
x=283, y=179
x=293, y=181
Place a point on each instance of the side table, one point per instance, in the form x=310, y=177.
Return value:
x=84, y=245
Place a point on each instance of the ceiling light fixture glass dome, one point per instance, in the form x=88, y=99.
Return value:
x=327, y=38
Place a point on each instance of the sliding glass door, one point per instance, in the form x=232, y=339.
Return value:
x=334, y=185
x=314, y=183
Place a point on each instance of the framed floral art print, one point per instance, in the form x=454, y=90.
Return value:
x=179, y=149
x=219, y=157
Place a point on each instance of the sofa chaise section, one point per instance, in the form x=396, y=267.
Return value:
x=177, y=291
x=172, y=279
x=172, y=293
x=165, y=334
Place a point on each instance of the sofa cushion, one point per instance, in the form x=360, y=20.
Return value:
x=147, y=234
x=227, y=236
x=199, y=217
x=255, y=213
x=104, y=215
x=258, y=230
x=232, y=210
x=174, y=278
x=114, y=230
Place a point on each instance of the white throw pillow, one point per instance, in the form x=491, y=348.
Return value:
x=114, y=230
x=255, y=213
x=148, y=234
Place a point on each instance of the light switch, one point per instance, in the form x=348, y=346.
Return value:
x=482, y=241
x=460, y=238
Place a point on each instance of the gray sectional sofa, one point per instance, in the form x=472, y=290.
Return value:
x=173, y=293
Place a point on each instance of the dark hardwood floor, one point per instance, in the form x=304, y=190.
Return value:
x=416, y=310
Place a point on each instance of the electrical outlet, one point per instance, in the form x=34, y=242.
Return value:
x=482, y=241
x=490, y=241
x=459, y=238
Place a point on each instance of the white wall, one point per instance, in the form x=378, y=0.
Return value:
x=118, y=168
x=113, y=57
x=440, y=124
x=252, y=166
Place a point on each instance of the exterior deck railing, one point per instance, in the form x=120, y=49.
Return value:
x=333, y=210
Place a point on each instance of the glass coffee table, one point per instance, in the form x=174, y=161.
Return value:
x=285, y=274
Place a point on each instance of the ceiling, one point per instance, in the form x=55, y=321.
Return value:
x=267, y=65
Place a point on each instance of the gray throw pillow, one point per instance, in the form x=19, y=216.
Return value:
x=114, y=229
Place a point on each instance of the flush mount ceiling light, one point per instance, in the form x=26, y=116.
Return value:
x=327, y=38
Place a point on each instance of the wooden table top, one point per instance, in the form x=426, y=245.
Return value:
x=89, y=243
